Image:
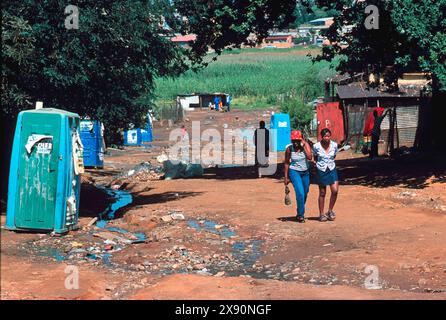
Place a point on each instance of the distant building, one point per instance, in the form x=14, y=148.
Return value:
x=313, y=30
x=278, y=41
x=322, y=22
x=193, y=101
x=184, y=41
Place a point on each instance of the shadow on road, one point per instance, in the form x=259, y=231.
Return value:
x=162, y=197
x=382, y=173
x=379, y=173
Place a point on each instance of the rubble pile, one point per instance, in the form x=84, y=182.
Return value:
x=144, y=171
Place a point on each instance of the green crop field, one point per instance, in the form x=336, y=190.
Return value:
x=256, y=78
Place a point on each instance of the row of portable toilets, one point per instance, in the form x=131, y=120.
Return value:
x=50, y=150
x=92, y=137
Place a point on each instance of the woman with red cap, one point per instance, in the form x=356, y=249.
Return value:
x=297, y=157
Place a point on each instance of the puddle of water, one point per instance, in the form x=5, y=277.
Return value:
x=122, y=199
x=209, y=226
x=247, y=253
x=52, y=253
x=106, y=259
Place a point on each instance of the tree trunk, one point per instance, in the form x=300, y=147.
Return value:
x=438, y=117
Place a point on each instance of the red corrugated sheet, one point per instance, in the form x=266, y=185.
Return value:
x=330, y=115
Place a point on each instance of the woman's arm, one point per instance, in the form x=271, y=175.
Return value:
x=286, y=164
x=314, y=155
x=307, y=150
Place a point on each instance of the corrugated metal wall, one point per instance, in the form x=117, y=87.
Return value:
x=406, y=118
x=356, y=120
x=407, y=123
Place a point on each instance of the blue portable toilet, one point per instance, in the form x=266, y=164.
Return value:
x=138, y=136
x=281, y=134
x=133, y=137
x=146, y=134
x=44, y=177
x=92, y=137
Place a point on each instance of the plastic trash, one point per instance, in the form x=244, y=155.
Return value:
x=177, y=216
x=181, y=170
x=193, y=170
x=162, y=158
x=173, y=170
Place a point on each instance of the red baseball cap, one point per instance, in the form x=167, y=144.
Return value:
x=296, y=135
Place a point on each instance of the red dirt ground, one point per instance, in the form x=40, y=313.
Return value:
x=390, y=215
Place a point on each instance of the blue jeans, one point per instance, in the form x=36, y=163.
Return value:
x=301, y=185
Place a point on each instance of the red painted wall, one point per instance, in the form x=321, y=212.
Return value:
x=330, y=115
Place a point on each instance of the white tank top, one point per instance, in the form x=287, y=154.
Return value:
x=299, y=160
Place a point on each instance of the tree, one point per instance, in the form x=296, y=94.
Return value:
x=301, y=114
x=306, y=10
x=101, y=68
x=411, y=37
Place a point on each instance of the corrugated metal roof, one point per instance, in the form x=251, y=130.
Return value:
x=361, y=91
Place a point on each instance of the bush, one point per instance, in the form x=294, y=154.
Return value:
x=302, y=40
x=301, y=114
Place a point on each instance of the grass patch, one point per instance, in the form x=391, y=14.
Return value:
x=256, y=78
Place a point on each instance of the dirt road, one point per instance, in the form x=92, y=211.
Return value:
x=228, y=235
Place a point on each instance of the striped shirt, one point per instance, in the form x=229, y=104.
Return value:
x=299, y=161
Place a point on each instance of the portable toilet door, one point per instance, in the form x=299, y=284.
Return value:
x=146, y=134
x=133, y=137
x=44, y=178
x=280, y=134
x=92, y=138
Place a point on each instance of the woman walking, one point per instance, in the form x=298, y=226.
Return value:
x=325, y=152
x=297, y=157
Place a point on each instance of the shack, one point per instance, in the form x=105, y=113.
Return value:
x=355, y=101
x=195, y=101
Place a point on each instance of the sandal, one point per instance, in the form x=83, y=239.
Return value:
x=331, y=216
x=301, y=219
x=323, y=218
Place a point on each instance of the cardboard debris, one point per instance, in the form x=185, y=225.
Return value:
x=116, y=238
x=166, y=218
x=92, y=222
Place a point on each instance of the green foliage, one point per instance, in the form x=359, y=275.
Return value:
x=101, y=69
x=301, y=113
x=302, y=40
x=256, y=78
x=411, y=37
x=306, y=10
x=98, y=70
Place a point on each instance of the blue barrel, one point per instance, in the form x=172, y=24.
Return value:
x=280, y=131
x=93, y=140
